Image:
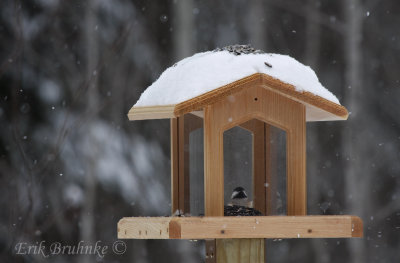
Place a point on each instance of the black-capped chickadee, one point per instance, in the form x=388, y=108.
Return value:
x=239, y=197
x=240, y=206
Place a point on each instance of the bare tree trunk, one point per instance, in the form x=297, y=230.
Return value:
x=356, y=180
x=257, y=25
x=87, y=216
x=313, y=38
x=92, y=50
x=184, y=42
x=184, y=46
x=311, y=57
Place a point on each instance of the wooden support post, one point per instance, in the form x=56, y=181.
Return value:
x=240, y=250
x=213, y=165
x=174, y=166
x=296, y=190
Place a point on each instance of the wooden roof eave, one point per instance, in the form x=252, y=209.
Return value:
x=317, y=108
x=151, y=112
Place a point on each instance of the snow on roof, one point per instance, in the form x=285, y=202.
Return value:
x=207, y=71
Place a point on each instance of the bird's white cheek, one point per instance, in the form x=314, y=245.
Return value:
x=234, y=194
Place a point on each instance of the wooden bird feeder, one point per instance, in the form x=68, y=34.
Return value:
x=256, y=103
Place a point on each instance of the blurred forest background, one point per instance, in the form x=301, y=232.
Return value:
x=72, y=164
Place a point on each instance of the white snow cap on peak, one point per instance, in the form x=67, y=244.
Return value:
x=206, y=71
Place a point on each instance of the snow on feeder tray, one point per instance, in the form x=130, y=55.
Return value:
x=227, y=105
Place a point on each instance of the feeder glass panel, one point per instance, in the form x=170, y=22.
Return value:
x=255, y=159
x=238, y=162
x=276, y=176
x=196, y=172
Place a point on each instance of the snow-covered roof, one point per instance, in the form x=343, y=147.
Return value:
x=204, y=72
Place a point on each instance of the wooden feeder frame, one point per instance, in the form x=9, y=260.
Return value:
x=255, y=103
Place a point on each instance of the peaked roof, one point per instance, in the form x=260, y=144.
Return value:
x=317, y=108
x=204, y=78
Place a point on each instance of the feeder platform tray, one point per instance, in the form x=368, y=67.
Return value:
x=240, y=227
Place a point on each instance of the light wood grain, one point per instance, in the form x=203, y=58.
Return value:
x=269, y=107
x=240, y=250
x=317, y=108
x=268, y=227
x=151, y=112
x=240, y=227
x=296, y=188
x=174, y=165
x=144, y=227
x=213, y=170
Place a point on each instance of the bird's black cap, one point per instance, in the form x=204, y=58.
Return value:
x=239, y=193
x=238, y=189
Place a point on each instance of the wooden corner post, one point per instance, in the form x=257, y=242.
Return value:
x=213, y=165
x=296, y=188
x=174, y=131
